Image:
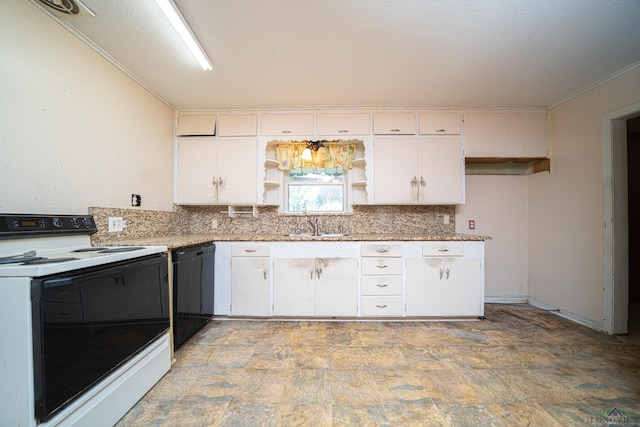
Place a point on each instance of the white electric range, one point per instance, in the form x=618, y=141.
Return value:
x=84, y=331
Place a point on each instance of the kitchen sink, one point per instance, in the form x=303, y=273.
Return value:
x=311, y=235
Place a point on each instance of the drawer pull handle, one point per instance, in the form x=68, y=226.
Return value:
x=443, y=250
x=440, y=130
x=343, y=131
x=287, y=131
x=381, y=305
x=382, y=285
x=382, y=250
x=249, y=250
x=394, y=130
x=382, y=266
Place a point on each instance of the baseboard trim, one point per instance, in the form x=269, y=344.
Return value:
x=506, y=300
x=598, y=326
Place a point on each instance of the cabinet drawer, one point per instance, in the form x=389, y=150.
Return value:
x=394, y=123
x=249, y=250
x=382, y=250
x=443, y=249
x=382, y=306
x=286, y=124
x=440, y=123
x=343, y=124
x=238, y=125
x=381, y=266
x=381, y=285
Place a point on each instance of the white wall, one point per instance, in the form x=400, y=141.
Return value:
x=498, y=205
x=75, y=131
x=566, y=207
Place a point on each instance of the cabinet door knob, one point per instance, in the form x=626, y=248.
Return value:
x=318, y=272
x=422, y=182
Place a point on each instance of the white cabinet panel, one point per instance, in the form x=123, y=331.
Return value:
x=238, y=125
x=337, y=287
x=294, y=287
x=343, y=124
x=418, y=171
x=214, y=171
x=384, y=306
x=444, y=287
x=196, y=125
x=286, y=124
x=250, y=286
x=394, y=123
x=440, y=123
x=510, y=135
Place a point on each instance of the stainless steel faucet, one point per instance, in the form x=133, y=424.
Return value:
x=314, y=227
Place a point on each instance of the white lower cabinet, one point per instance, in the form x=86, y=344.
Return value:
x=250, y=280
x=350, y=279
x=444, y=286
x=315, y=286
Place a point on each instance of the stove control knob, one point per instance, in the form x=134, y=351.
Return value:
x=56, y=222
x=75, y=223
x=87, y=222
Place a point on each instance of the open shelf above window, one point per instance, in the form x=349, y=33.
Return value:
x=506, y=165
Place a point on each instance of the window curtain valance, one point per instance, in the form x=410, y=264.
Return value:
x=333, y=158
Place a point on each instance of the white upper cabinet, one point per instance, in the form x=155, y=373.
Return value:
x=238, y=125
x=286, y=124
x=343, y=124
x=394, y=123
x=440, y=123
x=196, y=125
x=514, y=135
x=411, y=171
x=216, y=171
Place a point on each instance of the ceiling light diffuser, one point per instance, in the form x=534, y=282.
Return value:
x=178, y=22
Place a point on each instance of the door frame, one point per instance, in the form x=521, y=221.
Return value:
x=616, y=220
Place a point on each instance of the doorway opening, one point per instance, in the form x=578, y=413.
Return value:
x=633, y=174
x=618, y=198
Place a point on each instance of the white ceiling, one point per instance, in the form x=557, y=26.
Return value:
x=306, y=53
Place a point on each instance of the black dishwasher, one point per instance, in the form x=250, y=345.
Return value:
x=193, y=268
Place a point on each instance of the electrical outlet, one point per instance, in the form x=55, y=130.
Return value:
x=472, y=224
x=116, y=223
x=445, y=219
x=214, y=223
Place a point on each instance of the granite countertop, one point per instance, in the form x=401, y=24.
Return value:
x=182, y=240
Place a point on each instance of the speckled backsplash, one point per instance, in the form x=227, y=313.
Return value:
x=199, y=219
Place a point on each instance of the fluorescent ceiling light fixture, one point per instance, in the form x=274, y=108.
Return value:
x=174, y=16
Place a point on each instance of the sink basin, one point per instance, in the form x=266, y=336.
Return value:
x=311, y=235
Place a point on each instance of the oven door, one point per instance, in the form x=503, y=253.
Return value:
x=86, y=323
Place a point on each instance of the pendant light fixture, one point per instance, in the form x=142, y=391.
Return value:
x=311, y=145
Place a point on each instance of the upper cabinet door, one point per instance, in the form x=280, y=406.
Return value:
x=395, y=171
x=197, y=171
x=441, y=171
x=196, y=125
x=394, y=123
x=238, y=125
x=440, y=123
x=514, y=135
x=237, y=171
x=343, y=124
x=286, y=124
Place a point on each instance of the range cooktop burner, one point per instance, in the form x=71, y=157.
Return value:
x=122, y=249
x=47, y=260
x=91, y=249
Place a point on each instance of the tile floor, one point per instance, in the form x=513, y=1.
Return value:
x=520, y=366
